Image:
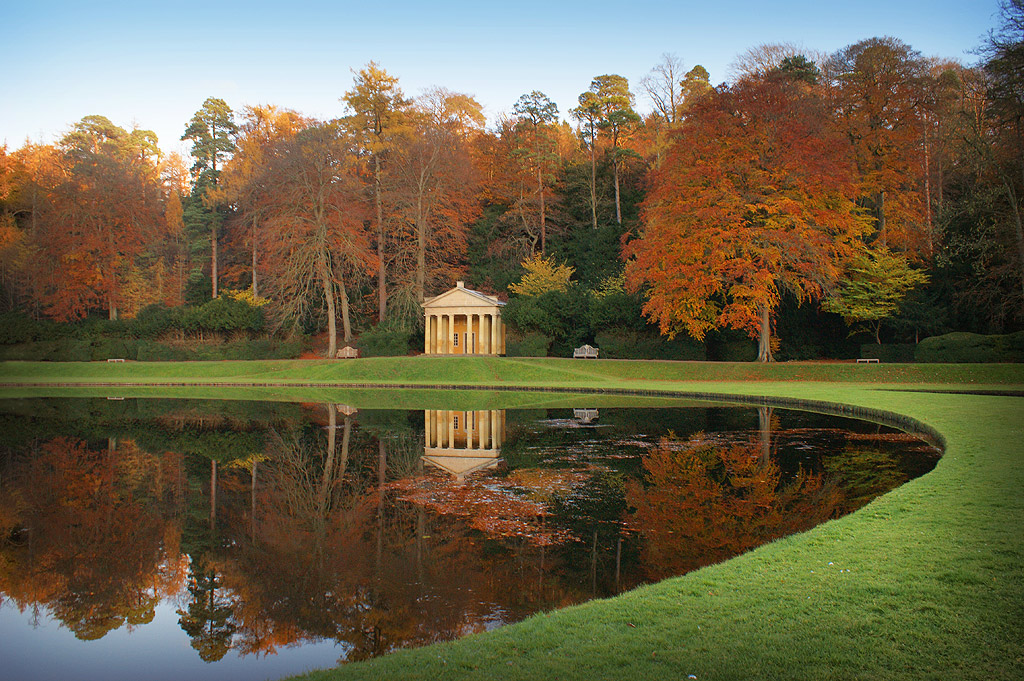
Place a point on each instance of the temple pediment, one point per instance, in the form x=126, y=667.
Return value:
x=461, y=297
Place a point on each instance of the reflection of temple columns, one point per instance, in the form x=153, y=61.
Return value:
x=462, y=442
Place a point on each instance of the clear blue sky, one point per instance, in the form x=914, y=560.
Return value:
x=153, y=64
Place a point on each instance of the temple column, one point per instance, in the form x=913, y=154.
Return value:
x=451, y=429
x=426, y=334
x=494, y=335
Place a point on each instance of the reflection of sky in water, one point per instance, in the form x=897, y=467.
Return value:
x=153, y=651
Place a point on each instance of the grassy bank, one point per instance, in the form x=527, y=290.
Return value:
x=924, y=582
x=532, y=372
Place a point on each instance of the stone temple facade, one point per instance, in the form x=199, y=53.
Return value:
x=463, y=322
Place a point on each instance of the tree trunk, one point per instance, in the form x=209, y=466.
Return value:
x=1018, y=229
x=543, y=217
x=332, y=324
x=213, y=257
x=927, y=192
x=764, y=343
x=421, y=250
x=615, y=173
x=255, y=291
x=346, y=325
x=213, y=494
x=764, y=422
x=593, y=181
x=880, y=216
x=382, y=290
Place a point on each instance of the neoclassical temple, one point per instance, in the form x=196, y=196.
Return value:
x=463, y=322
x=461, y=442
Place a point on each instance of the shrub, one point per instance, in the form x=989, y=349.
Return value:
x=112, y=348
x=153, y=320
x=262, y=348
x=563, y=317
x=228, y=313
x=529, y=344
x=381, y=341
x=631, y=344
x=888, y=352
x=971, y=348
x=18, y=328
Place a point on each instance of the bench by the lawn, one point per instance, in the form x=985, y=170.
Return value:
x=584, y=352
x=347, y=352
x=867, y=360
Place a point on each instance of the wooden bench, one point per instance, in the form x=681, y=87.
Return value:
x=867, y=360
x=585, y=352
x=347, y=352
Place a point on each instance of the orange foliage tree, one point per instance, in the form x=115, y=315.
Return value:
x=755, y=196
x=317, y=244
x=435, y=186
x=877, y=89
x=99, y=219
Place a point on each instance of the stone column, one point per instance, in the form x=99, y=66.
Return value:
x=451, y=429
x=494, y=334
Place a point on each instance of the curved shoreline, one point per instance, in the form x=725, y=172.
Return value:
x=923, y=582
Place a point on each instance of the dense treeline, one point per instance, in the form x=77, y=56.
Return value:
x=812, y=198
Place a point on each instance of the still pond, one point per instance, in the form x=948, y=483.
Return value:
x=252, y=540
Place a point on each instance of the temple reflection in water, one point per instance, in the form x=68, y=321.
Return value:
x=462, y=442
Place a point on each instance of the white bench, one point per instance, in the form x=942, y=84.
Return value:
x=347, y=352
x=867, y=360
x=585, y=352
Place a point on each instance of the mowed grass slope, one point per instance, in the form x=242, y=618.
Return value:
x=534, y=372
x=926, y=582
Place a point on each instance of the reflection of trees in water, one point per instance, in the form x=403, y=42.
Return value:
x=85, y=533
x=700, y=504
x=299, y=530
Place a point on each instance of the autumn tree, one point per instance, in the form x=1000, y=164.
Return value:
x=754, y=198
x=314, y=228
x=1004, y=67
x=435, y=185
x=875, y=89
x=98, y=220
x=873, y=285
x=541, y=275
x=378, y=120
x=240, y=182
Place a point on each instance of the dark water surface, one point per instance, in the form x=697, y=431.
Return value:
x=170, y=539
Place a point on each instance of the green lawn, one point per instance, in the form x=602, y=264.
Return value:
x=924, y=582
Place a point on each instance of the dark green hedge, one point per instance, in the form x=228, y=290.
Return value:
x=971, y=348
x=382, y=342
x=632, y=344
x=888, y=352
x=530, y=344
x=70, y=350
